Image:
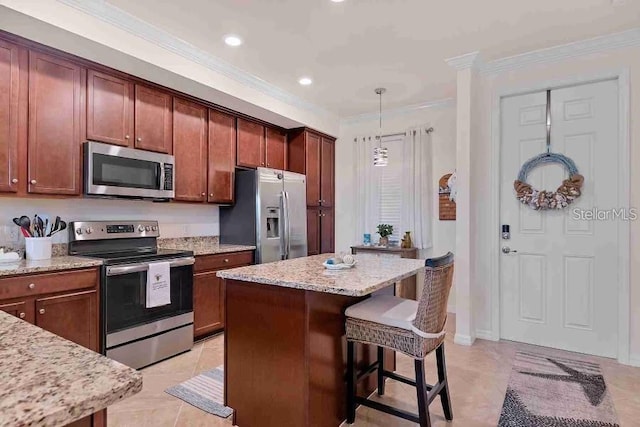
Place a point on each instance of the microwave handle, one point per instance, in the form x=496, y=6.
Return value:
x=117, y=270
x=160, y=176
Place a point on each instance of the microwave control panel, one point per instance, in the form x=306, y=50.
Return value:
x=168, y=176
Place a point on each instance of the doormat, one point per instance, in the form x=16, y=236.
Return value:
x=549, y=390
x=205, y=391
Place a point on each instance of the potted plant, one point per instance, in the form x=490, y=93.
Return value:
x=385, y=230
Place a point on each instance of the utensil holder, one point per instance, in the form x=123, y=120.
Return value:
x=38, y=248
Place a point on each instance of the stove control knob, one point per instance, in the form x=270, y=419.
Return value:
x=147, y=228
x=141, y=228
x=154, y=228
x=89, y=230
x=79, y=231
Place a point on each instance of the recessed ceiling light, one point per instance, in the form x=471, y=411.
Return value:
x=305, y=81
x=232, y=40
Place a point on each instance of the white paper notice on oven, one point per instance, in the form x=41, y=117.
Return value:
x=158, y=284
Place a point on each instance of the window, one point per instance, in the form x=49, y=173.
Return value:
x=390, y=192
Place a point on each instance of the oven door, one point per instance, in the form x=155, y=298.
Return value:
x=119, y=171
x=126, y=317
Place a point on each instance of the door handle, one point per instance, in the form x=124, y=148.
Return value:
x=136, y=268
x=508, y=250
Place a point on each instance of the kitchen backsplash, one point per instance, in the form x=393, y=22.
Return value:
x=176, y=220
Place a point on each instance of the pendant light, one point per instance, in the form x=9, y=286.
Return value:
x=380, y=153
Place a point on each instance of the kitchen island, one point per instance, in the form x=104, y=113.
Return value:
x=285, y=352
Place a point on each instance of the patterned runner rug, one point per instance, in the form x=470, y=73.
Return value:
x=205, y=391
x=548, y=390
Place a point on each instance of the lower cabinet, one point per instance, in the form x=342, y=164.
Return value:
x=320, y=231
x=208, y=290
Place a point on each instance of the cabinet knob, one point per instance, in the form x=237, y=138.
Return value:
x=203, y=194
x=34, y=182
x=14, y=180
x=32, y=285
x=210, y=194
x=126, y=137
x=139, y=139
x=22, y=315
x=41, y=311
x=226, y=260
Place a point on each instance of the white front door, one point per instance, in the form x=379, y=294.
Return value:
x=560, y=289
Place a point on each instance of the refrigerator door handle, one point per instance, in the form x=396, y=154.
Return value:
x=288, y=224
x=283, y=226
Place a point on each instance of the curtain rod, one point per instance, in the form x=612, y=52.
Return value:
x=428, y=130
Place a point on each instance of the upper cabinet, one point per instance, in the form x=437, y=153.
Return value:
x=13, y=78
x=109, y=109
x=222, y=157
x=251, y=146
x=190, y=150
x=153, y=119
x=327, y=172
x=56, y=124
x=276, y=148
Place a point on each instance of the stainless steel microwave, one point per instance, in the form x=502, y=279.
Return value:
x=115, y=171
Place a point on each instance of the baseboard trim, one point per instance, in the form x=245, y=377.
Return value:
x=634, y=360
x=463, y=339
x=485, y=334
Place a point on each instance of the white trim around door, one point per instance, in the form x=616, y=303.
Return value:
x=624, y=176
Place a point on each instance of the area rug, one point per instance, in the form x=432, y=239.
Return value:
x=554, y=390
x=205, y=391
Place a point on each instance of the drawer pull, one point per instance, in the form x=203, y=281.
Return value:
x=226, y=260
x=23, y=315
x=34, y=182
x=41, y=311
x=32, y=285
x=14, y=181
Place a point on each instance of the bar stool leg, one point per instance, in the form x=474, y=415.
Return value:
x=421, y=389
x=351, y=382
x=442, y=378
x=380, y=369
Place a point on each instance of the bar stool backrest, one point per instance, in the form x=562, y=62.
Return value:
x=432, y=308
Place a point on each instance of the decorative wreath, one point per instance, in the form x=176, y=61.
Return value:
x=541, y=199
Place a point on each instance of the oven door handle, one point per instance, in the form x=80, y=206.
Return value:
x=117, y=270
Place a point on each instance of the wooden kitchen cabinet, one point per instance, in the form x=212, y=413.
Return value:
x=313, y=231
x=276, y=148
x=56, y=124
x=327, y=172
x=153, y=121
x=109, y=109
x=13, y=91
x=19, y=309
x=72, y=316
x=222, y=157
x=250, y=144
x=327, y=231
x=190, y=150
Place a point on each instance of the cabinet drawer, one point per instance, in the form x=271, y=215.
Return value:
x=37, y=284
x=220, y=261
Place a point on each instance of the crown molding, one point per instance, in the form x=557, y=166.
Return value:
x=605, y=43
x=466, y=61
x=117, y=17
x=400, y=111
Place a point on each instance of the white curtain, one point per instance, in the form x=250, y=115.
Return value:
x=367, y=189
x=417, y=187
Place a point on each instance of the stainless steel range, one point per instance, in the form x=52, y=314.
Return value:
x=136, y=329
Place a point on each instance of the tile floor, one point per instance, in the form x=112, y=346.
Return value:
x=478, y=377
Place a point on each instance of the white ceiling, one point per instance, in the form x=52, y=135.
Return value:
x=352, y=47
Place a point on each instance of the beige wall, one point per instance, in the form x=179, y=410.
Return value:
x=531, y=76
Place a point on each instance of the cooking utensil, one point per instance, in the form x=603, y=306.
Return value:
x=40, y=226
x=55, y=227
x=62, y=226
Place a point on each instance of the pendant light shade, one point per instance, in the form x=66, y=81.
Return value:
x=380, y=153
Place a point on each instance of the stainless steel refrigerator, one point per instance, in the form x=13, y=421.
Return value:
x=270, y=212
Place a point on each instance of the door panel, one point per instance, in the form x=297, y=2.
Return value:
x=56, y=124
x=327, y=172
x=19, y=309
x=295, y=186
x=558, y=289
x=313, y=231
x=71, y=316
x=222, y=157
x=153, y=121
x=9, y=119
x=313, y=169
x=251, y=146
x=190, y=150
x=327, y=231
x=275, y=148
x=109, y=109
x=208, y=300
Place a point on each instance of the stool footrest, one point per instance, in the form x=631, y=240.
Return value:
x=402, y=379
x=368, y=370
x=388, y=409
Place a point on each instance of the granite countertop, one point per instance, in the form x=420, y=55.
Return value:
x=49, y=381
x=206, y=245
x=56, y=263
x=370, y=274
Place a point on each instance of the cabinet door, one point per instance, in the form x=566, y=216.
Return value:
x=222, y=157
x=71, y=316
x=326, y=172
x=109, y=109
x=56, y=124
x=19, y=309
x=312, y=161
x=326, y=231
x=10, y=79
x=250, y=144
x=190, y=150
x=208, y=303
x=313, y=231
x=276, y=143
x=153, y=120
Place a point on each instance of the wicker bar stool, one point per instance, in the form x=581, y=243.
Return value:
x=415, y=328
